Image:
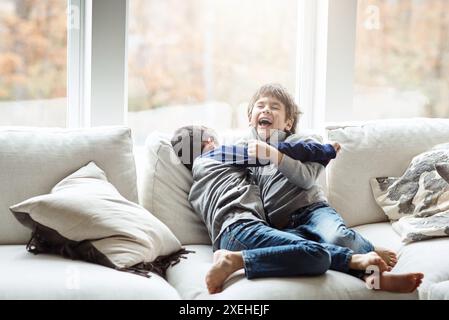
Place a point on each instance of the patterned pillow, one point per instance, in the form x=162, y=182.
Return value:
x=418, y=202
x=84, y=217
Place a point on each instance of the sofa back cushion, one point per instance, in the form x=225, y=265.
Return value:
x=375, y=149
x=33, y=160
x=164, y=191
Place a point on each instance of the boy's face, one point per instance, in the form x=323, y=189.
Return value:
x=269, y=114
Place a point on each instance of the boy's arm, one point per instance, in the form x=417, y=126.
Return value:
x=308, y=151
x=302, y=174
x=235, y=155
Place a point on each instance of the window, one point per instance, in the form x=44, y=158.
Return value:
x=33, y=62
x=199, y=61
x=402, y=59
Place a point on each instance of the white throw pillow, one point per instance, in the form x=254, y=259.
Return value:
x=166, y=184
x=85, y=217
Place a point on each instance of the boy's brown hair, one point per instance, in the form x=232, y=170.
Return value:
x=189, y=141
x=277, y=91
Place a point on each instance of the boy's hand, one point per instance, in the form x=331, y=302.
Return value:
x=263, y=151
x=336, y=145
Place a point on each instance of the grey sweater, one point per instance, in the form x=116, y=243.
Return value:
x=290, y=186
x=222, y=194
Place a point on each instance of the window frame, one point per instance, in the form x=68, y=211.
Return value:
x=97, y=60
x=98, y=65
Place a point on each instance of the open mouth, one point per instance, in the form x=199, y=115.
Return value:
x=265, y=123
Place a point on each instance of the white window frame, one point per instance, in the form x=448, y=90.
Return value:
x=325, y=57
x=97, y=67
x=98, y=81
x=77, y=67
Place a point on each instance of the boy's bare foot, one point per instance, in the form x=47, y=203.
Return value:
x=401, y=283
x=387, y=255
x=225, y=263
x=363, y=261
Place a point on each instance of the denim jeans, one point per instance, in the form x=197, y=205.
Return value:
x=268, y=252
x=321, y=223
x=315, y=240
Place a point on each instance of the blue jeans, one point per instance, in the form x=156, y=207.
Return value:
x=311, y=244
x=268, y=252
x=321, y=223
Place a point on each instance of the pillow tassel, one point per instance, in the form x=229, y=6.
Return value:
x=159, y=265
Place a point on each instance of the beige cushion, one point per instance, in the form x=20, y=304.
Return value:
x=165, y=188
x=33, y=160
x=375, y=149
x=85, y=217
x=381, y=235
x=439, y=291
x=429, y=257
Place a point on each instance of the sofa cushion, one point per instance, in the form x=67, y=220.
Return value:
x=33, y=160
x=27, y=276
x=84, y=217
x=429, y=257
x=381, y=235
x=332, y=285
x=439, y=291
x=375, y=149
x=165, y=188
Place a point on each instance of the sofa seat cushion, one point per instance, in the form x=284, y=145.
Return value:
x=439, y=291
x=381, y=235
x=27, y=276
x=188, y=278
x=429, y=257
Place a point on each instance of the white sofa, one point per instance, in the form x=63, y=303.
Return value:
x=33, y=160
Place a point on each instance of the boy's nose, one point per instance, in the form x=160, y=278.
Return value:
x=266, y=110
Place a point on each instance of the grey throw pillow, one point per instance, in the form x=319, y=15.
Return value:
x=85, y=217
x=417, y=202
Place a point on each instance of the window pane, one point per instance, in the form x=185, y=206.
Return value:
x=33, y=54
x=199, y=61
x=402, y=59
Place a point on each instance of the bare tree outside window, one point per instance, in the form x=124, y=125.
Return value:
x=402, y=59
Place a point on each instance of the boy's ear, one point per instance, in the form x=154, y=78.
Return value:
x=289, y=124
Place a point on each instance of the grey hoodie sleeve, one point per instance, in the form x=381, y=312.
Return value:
x=302, y=174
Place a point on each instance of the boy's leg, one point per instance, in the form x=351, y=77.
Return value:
x=323, y=224
x=344, y=259
x=264, y=252
x=268, y=252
